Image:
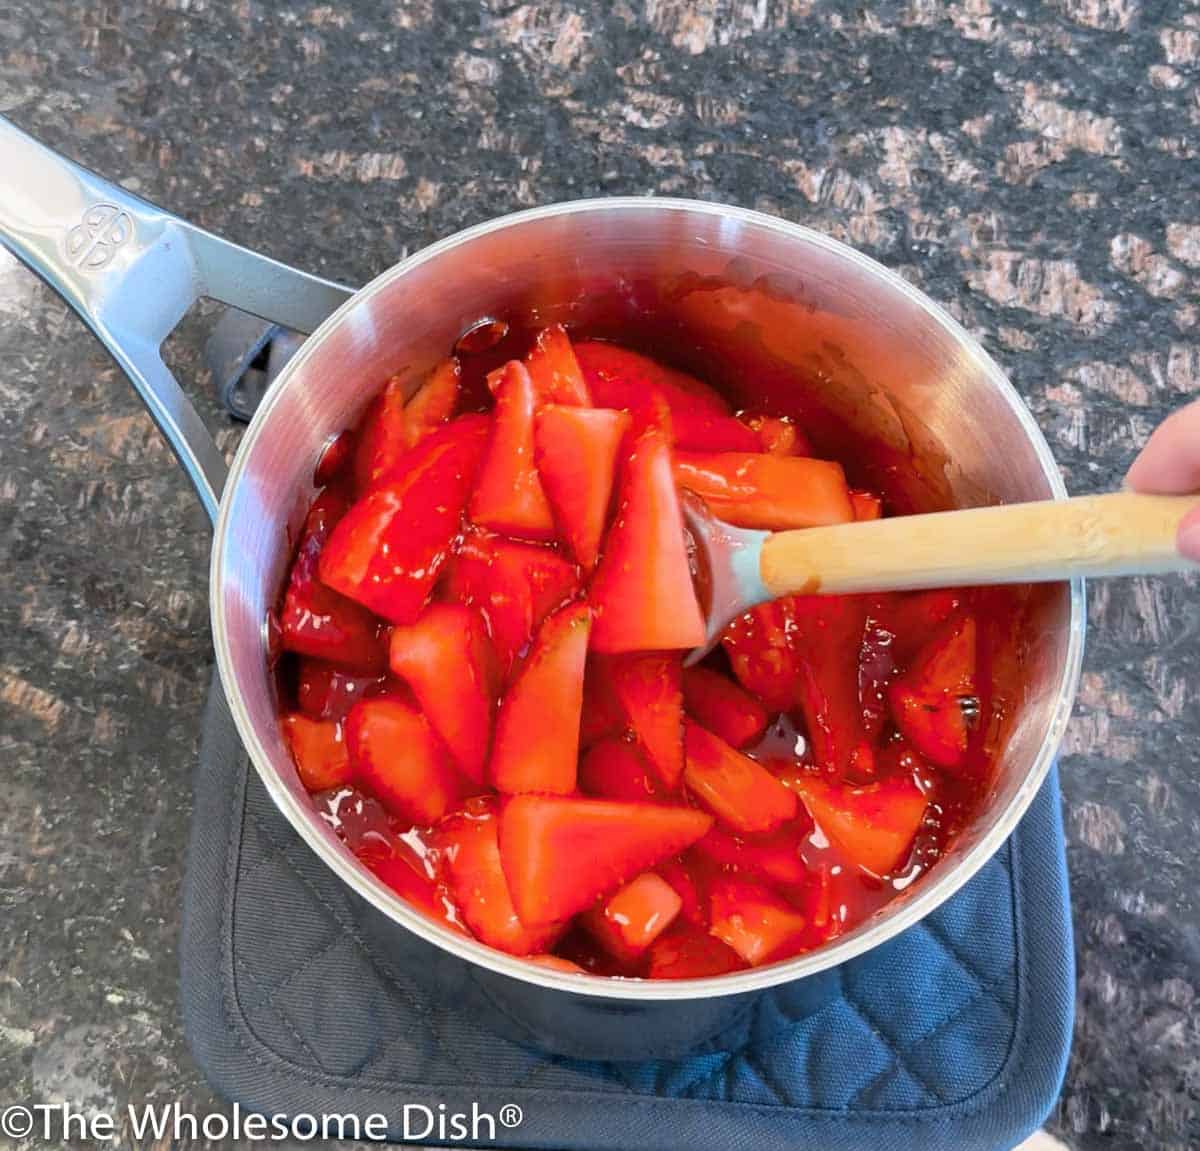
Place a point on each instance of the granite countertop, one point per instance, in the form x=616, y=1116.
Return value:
x=1032, y=167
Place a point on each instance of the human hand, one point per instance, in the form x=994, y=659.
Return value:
x=1170, y=465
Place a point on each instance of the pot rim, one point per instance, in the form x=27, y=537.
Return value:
x=928, y=894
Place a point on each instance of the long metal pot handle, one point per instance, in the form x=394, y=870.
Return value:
x=132, y=270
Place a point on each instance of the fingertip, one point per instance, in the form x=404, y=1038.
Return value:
x=1187, y=537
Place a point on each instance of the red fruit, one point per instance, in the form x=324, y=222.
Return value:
x=688, y=952
x=556, y=963
x=828, y=636
x=603, y=715
x=649, y=690
x=717, y=703
x=778, y=436
x=537, y=730
x=676, y=873
x=326, y=692
x=471, y=866
x=555, y=371
x=400, y=760
x=411, y=877
x=509, y=497
x=634, y=917
x=759, y=648
x=381, y=436
x=774, y=857
x=876, y=666
x=561, y=853
x=387, y=551
x=873, y=825
x=319, y=749
x=317, y=621
x=912, y=617
x=762, y=491
x=614, y=769
x=933, y=702
x=434, y=401
x=577, y=458
x=737, y=790
x=699, y=430
x=642, y=593
x=866, y=505
x=447, y=660
x=514, y=585
x=755, y=923
x=619, y=378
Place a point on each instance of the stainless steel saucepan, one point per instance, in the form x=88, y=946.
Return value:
x=765, y=303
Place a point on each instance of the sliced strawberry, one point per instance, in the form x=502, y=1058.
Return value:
x=471, y=865
x=873, y=825
x=634, y=917
x=319, y=749
x=934, y=702
x=774, y=857
x=315, y=620
x=381, y=435
x=603, y=716
x=828, y=634
x=619, y=378
x=537, y=731
x=642, y=592
x=514, y=585
x=509, y=497
x=866, y=505
x=759, y=648
x=762, y=491
x=577, y=459
x=324, y=691
x=412, y=878
x=555, y=371
x=613, y=768
x=737, y=790
x=777, y=436
x=688, y=952
x=699, y=430
x=387, y=551
x=755, y=923
x=447, y=660
x=556, y=963
x=434, y=401
x=561, y=853
x=912, y=617
x=717, y=703
x=649, y=690
x=400, y=760
x=679, y=876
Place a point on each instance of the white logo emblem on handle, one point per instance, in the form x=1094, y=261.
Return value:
x=96, y=238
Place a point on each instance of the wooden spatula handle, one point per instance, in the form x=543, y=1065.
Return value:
x=1125, y=533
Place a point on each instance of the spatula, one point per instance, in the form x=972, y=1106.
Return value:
x=1123, y=533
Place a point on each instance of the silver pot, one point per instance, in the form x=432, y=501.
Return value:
x=749, y=298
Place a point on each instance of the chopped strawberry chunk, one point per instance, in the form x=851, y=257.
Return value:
x=316, y=620
x=762, y=491
x=873, y=825
x=642, y=593
x=677, y=874
x=319, y=749
x=717, y=703
x=934, y=701
x=400, y=760
x=699, y=430
x=510, y=497
x=471, y=865
x=688, y=952
x=912, y=617
x=866, y=505
x=619, y=378
x=561, y=853
x=603, y=715
x=774, y=857
x=537, y=731
x=324, y=691
x=434, y=401
x=613, y=768
x=556, y=963
x=387, y=551
x=514, y=585
x=381, y=438
x=759, y=647
x=555, y=371
x=634, y=917
x=577, y=459
x=778, y=436
x=412, y=878
x=755, y=923
x=737, y=790
x=447, y=660
x=649, y=690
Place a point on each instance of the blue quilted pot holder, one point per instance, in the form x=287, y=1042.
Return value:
x=952, y=1036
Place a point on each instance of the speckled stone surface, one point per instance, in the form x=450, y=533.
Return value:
x=1034, y=167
